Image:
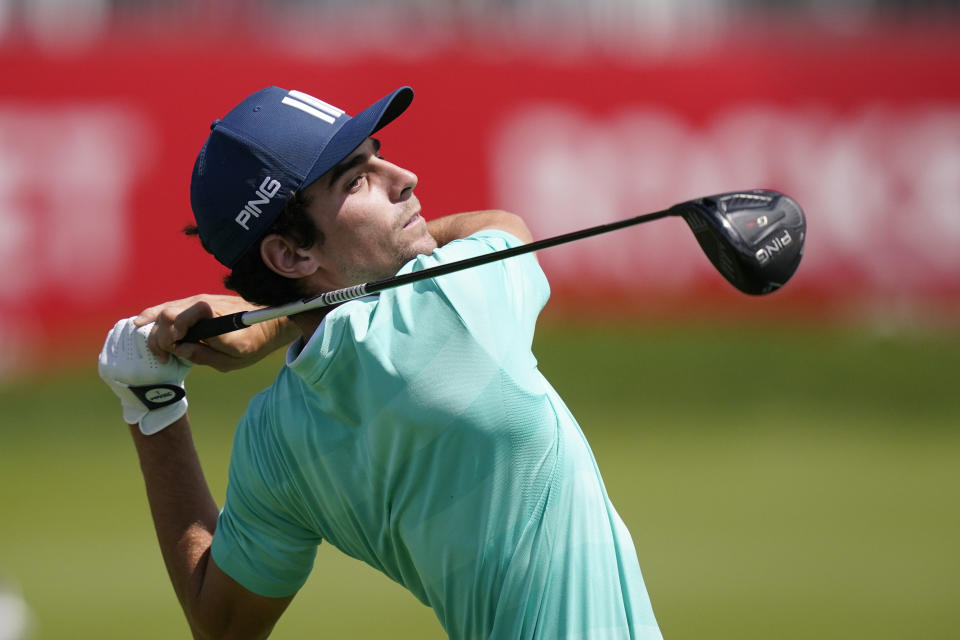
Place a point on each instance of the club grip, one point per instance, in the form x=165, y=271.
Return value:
x=209, y=327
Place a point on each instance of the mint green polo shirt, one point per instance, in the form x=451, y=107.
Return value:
x=413, y=431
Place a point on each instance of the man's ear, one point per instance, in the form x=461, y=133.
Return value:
x=284, y=257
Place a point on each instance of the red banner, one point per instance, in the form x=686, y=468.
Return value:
x=96, y=151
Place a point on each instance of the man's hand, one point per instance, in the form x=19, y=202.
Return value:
x=227, y=352
x=151, y=392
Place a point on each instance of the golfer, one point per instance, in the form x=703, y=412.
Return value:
x=411, y=430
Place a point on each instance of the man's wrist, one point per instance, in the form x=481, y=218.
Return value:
x=151, y=407
x=285, y=332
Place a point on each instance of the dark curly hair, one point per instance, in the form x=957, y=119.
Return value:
x=251, y=278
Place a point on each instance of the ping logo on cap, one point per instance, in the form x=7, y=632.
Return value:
x=269, y=187
x=264, y=193
x=313, y=106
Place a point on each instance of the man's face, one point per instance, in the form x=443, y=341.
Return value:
x=369, y=217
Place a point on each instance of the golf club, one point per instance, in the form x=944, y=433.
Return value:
x=754, y=238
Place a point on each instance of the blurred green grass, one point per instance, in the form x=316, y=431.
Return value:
x=778, y=482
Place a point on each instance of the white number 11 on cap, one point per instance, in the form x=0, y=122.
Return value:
x=314, y=106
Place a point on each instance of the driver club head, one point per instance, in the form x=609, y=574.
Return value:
x=754, y=238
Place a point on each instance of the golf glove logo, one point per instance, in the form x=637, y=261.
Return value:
x=151, y=392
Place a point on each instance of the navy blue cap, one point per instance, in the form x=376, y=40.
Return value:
x=273, y=143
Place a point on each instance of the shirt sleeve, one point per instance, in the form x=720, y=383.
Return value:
x=496, y=300
x=260, y=541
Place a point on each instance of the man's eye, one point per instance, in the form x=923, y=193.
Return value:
x=355, y=183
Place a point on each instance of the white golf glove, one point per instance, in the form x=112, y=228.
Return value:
x=151, y=393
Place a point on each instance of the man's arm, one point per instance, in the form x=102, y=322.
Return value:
x=234, y=350
x=153, y=401
x=185, y=517
x=460, y=225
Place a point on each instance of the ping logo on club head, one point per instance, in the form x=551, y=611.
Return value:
x=160, y=395
x=770, y=249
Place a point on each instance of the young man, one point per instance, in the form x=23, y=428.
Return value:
x=412, y=429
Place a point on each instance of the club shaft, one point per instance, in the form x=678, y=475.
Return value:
x=223, y=324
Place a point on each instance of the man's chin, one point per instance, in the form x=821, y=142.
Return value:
x=430, y=244
x=424, y=245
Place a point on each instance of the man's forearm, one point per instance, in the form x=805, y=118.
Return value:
x=460, y=225
x=184, y=512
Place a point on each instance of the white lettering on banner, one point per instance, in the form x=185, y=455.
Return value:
x=880, y=186
x=65, y=175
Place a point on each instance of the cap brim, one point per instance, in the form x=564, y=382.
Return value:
x=352, y=134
